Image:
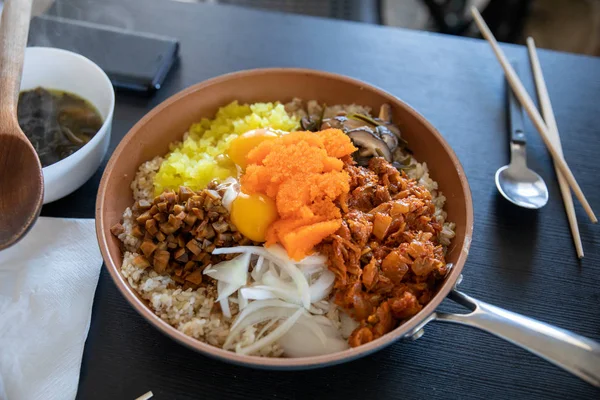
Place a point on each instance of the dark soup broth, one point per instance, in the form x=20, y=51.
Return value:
x=57, y=123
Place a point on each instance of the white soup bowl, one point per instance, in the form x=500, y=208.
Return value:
x=63, y=70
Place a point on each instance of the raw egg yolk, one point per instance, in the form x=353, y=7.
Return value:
x=252, y=214
x=241, y=146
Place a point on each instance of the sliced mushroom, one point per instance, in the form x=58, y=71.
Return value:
x=388, y=137
x=385, y=118
x=400, y=166
x=385, y=113
x=314, y=120
x=396, y=131
x=344, y=123
x=370, y=144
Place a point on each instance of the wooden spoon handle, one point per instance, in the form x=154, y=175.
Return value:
x=14, y=29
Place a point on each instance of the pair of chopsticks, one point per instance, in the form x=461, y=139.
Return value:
x=547, y=129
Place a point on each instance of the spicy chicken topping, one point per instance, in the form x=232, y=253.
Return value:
x=179, y=231
x=386, y=255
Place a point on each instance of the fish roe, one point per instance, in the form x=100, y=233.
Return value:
x=303, y=173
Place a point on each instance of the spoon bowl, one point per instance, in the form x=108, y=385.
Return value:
x=522, y=186
x=21, y=180
x=22, y=187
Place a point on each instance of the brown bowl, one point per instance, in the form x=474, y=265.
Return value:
x=167, y=123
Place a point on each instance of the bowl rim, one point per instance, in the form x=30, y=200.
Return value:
x=109, y=116
x=407, y=328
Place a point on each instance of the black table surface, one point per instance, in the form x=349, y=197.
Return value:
x=520, y=260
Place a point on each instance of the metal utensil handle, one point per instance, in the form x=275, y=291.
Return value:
x=515, y=113
x=572, y=352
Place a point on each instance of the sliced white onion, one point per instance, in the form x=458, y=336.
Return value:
x=322, y=305
x=284, y=264
x=258, y=316
x=234, y=271
x=309, y=322
x=273, y=281
x=224, y=289
x=315, y=311
x=242, y=300
x=318, y=290
x=266, y=327
x=291, y=296
x=225, y=308
x=272, y=270
x=348, y=324
x=321, y=288
x=232, y=189
x=322, y=320
x=278, y=251
x=310, y=269
x=315, y=258
x=260, y=304
x=231, y=193
x=224, y=301
x=257, y=271
x=257, y=293
x=299, y=342
x=315, y=325
x=273, y=336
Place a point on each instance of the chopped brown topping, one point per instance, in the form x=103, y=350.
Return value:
x=163, y=206
x=151, y=227
x=148, y=247
x=185, y=193
x=160, y=217
x=198, y=212
x=189, y=265
x=171, y=225
x=190, y=219
x=137, y=232
x=181, y=255
x=141, y=262
x=194, y=247
x=180, y=231
x=161, y=260
x=117, y=229
x=170, y=197
x=195, y=277
x=220, y=226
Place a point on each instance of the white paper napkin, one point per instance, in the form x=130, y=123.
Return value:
x=47, y=286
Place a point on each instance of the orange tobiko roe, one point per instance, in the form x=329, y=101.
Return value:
x=303, y=173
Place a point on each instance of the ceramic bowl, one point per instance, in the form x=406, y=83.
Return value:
x=168, y=122
x=63, y=70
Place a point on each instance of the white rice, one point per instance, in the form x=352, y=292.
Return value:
x=421, y=174
x=143, y=184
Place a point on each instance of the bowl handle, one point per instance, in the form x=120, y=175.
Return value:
x=572, y=352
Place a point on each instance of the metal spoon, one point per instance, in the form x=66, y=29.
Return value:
x=517, y=183
x=21, y=181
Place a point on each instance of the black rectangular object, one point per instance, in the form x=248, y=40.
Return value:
x=132, y=60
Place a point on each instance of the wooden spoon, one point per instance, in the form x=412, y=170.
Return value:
x=21, y=180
